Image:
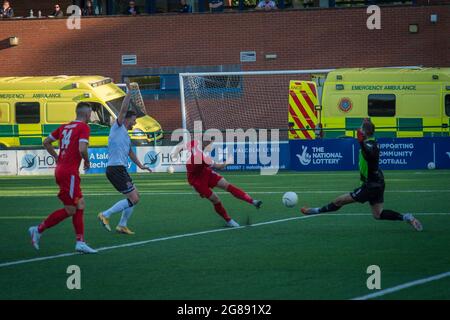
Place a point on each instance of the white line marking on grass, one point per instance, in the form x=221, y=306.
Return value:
x=156, y=193
x=132, y=244
x=403, y=286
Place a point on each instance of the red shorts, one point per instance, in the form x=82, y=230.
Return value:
x=205, y=182
x=69, y=187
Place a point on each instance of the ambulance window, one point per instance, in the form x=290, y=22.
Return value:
x=28, y=112
x=381, y=105
x=447, y=105
x=100, y=115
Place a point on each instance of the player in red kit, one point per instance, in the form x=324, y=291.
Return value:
x=73, y=140
x=203, y=179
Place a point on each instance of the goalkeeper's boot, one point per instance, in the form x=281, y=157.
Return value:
x=257, y=203
x=124, y=230
x=414, y=222
x=309, y=211
x=35, y=236
x=232, y=224
x=82, y=247
x=104, y=220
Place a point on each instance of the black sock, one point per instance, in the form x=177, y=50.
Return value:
x=390, y=215
x=329, y=207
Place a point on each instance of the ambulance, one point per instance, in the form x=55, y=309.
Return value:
x=32, y=107
x=401, y=102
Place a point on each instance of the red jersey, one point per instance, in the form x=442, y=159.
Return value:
x=70, y=135
x=198, y=162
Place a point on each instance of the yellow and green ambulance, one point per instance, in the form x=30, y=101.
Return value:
x=32, y=107
x=401, y=102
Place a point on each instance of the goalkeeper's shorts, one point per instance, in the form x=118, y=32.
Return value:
x=372, y=193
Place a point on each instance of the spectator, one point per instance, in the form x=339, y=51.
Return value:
x=184, y=7
x=132, y=9
x=88, y=10
x=57, y=13
x=266, y=5
x=6, y=11
x=215, y=5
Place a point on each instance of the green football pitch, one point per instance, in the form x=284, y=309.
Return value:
x=182, y=249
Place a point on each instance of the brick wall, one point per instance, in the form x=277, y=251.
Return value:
x=319, y=38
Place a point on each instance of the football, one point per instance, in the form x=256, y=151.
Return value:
x=170, y=169
x=431, y=165
x=290, y=199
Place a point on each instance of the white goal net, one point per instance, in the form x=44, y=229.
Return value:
x=238, y=100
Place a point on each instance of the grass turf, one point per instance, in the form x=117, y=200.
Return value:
x=323, y=257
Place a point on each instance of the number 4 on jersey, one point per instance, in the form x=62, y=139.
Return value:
x=65, y=141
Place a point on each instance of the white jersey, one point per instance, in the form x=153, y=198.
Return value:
x=119, y=144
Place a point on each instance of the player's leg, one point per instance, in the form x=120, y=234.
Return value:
x=222, y=183
x=380, y=213
x=78, y=224
x=203, y=186
x=52, y=220
x=119, y=178
x=77, y=220
x=67, y=186
x=332, y=206
x=122, y=227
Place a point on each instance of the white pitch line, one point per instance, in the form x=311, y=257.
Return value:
x=403, y=286
x=147, y=193
x=132, y=244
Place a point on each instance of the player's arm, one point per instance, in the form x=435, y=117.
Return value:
x=83, y=148
x=219, y=166
x=55, y=135
x=215, y=165
x=83, y=144
x=125, y=105
x=176, y=151
x=222, y=165
x=49, y=147
x=135, y=159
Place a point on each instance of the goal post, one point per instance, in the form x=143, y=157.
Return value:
x=238, y=100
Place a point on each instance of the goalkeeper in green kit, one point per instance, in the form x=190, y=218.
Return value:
x=372, y=178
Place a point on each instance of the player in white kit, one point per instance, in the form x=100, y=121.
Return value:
x=119, y=149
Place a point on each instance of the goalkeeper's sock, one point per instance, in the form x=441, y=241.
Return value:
x=118, y=207
x=221, y=211
x=391, y=215
x=126, y=214
x=238, y=193
x=329, y=208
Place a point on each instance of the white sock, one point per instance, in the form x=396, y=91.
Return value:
x=118, y=207
x=407, y=217
x=126, y=214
